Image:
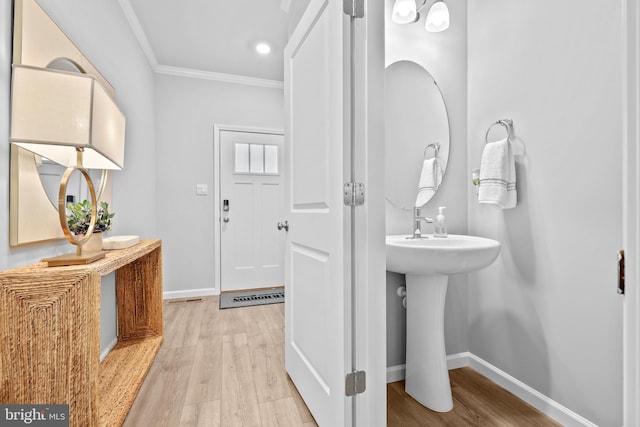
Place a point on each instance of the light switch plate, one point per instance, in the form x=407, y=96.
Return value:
x=202, y=189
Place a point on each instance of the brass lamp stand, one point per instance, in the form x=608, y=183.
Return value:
x=80, y=257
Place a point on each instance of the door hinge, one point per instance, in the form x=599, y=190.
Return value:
x=621, y=272
x=354, y=194
x=355, y=383
x=354, y=8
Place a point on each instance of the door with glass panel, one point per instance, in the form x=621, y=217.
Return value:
x=251, y=202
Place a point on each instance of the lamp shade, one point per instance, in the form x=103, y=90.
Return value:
x=54, y=112
x=404, y=11
x=438, y=17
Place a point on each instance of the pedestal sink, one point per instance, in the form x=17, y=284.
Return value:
x=427, y=263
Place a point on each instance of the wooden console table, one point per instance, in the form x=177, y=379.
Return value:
x=50, y=334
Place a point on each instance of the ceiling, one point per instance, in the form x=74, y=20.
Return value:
x=212, y=37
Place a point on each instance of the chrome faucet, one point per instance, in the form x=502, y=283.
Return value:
x=417, y=223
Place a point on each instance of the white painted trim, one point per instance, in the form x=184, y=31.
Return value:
x=143, y=41
x=454, y=361
x=458, y=360
x=217, y=128
x=370, y=295
x=631, y=212
x=190, y=293
x=396, y=373
x=136, y=27
x=544, y=404
x=108, y=348
x=219, y=77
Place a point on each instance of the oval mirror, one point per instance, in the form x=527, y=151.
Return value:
x=417, y=129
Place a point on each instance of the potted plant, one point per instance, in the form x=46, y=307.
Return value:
x=79, y=217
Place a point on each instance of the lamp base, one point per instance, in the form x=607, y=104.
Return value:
x=73, y=259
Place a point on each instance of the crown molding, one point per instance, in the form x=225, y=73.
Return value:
x=219, y=77
x=134, y=23
x=158, y=68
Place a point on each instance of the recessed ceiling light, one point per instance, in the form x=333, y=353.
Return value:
x=263, y=48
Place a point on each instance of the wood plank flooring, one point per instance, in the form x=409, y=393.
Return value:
x=477, y=401
x=220, y=368
x=226, y=368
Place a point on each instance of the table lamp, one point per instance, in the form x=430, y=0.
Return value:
x=70, y=119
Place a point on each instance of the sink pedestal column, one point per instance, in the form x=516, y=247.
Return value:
x=427, y=376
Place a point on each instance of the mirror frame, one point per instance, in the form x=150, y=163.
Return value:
x=38, y=41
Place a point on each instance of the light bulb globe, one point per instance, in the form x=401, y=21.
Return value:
x=404, y=12
x=437, y=18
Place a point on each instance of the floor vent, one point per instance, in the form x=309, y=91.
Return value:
x=251, y=297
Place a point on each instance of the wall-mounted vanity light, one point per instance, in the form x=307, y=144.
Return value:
x=69, y=119
x=407, y=11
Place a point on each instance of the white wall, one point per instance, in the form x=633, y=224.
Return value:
x=187, y=110
x=547, y=311
x=444, y=55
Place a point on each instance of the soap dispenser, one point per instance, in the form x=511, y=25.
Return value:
x=441, y=228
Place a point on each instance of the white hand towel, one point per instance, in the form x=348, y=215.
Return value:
x=498, y=175
x=430, y=179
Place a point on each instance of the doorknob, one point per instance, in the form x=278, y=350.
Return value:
x=621, y=272
x=284, y=225
x=225, y=219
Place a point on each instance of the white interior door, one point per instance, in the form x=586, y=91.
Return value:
x=317, y=305
x=251, y=204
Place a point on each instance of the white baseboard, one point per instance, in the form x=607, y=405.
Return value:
x=544, y=404
x=454, y=361
x=190, y=293
x=458, y=360
x=395, y=373
x=108, y=348
x=548, y=406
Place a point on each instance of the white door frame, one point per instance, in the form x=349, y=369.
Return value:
x=370, y=263
x=631, y=211
x=217, y=128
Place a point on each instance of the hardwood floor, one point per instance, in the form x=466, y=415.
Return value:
x=226, y=368
x=220, y=368
x=477, y=401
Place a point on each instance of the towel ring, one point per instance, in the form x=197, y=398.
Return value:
x=506, y=123
x=436, y=149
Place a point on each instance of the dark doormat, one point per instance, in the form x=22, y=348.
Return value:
x=251, y=297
